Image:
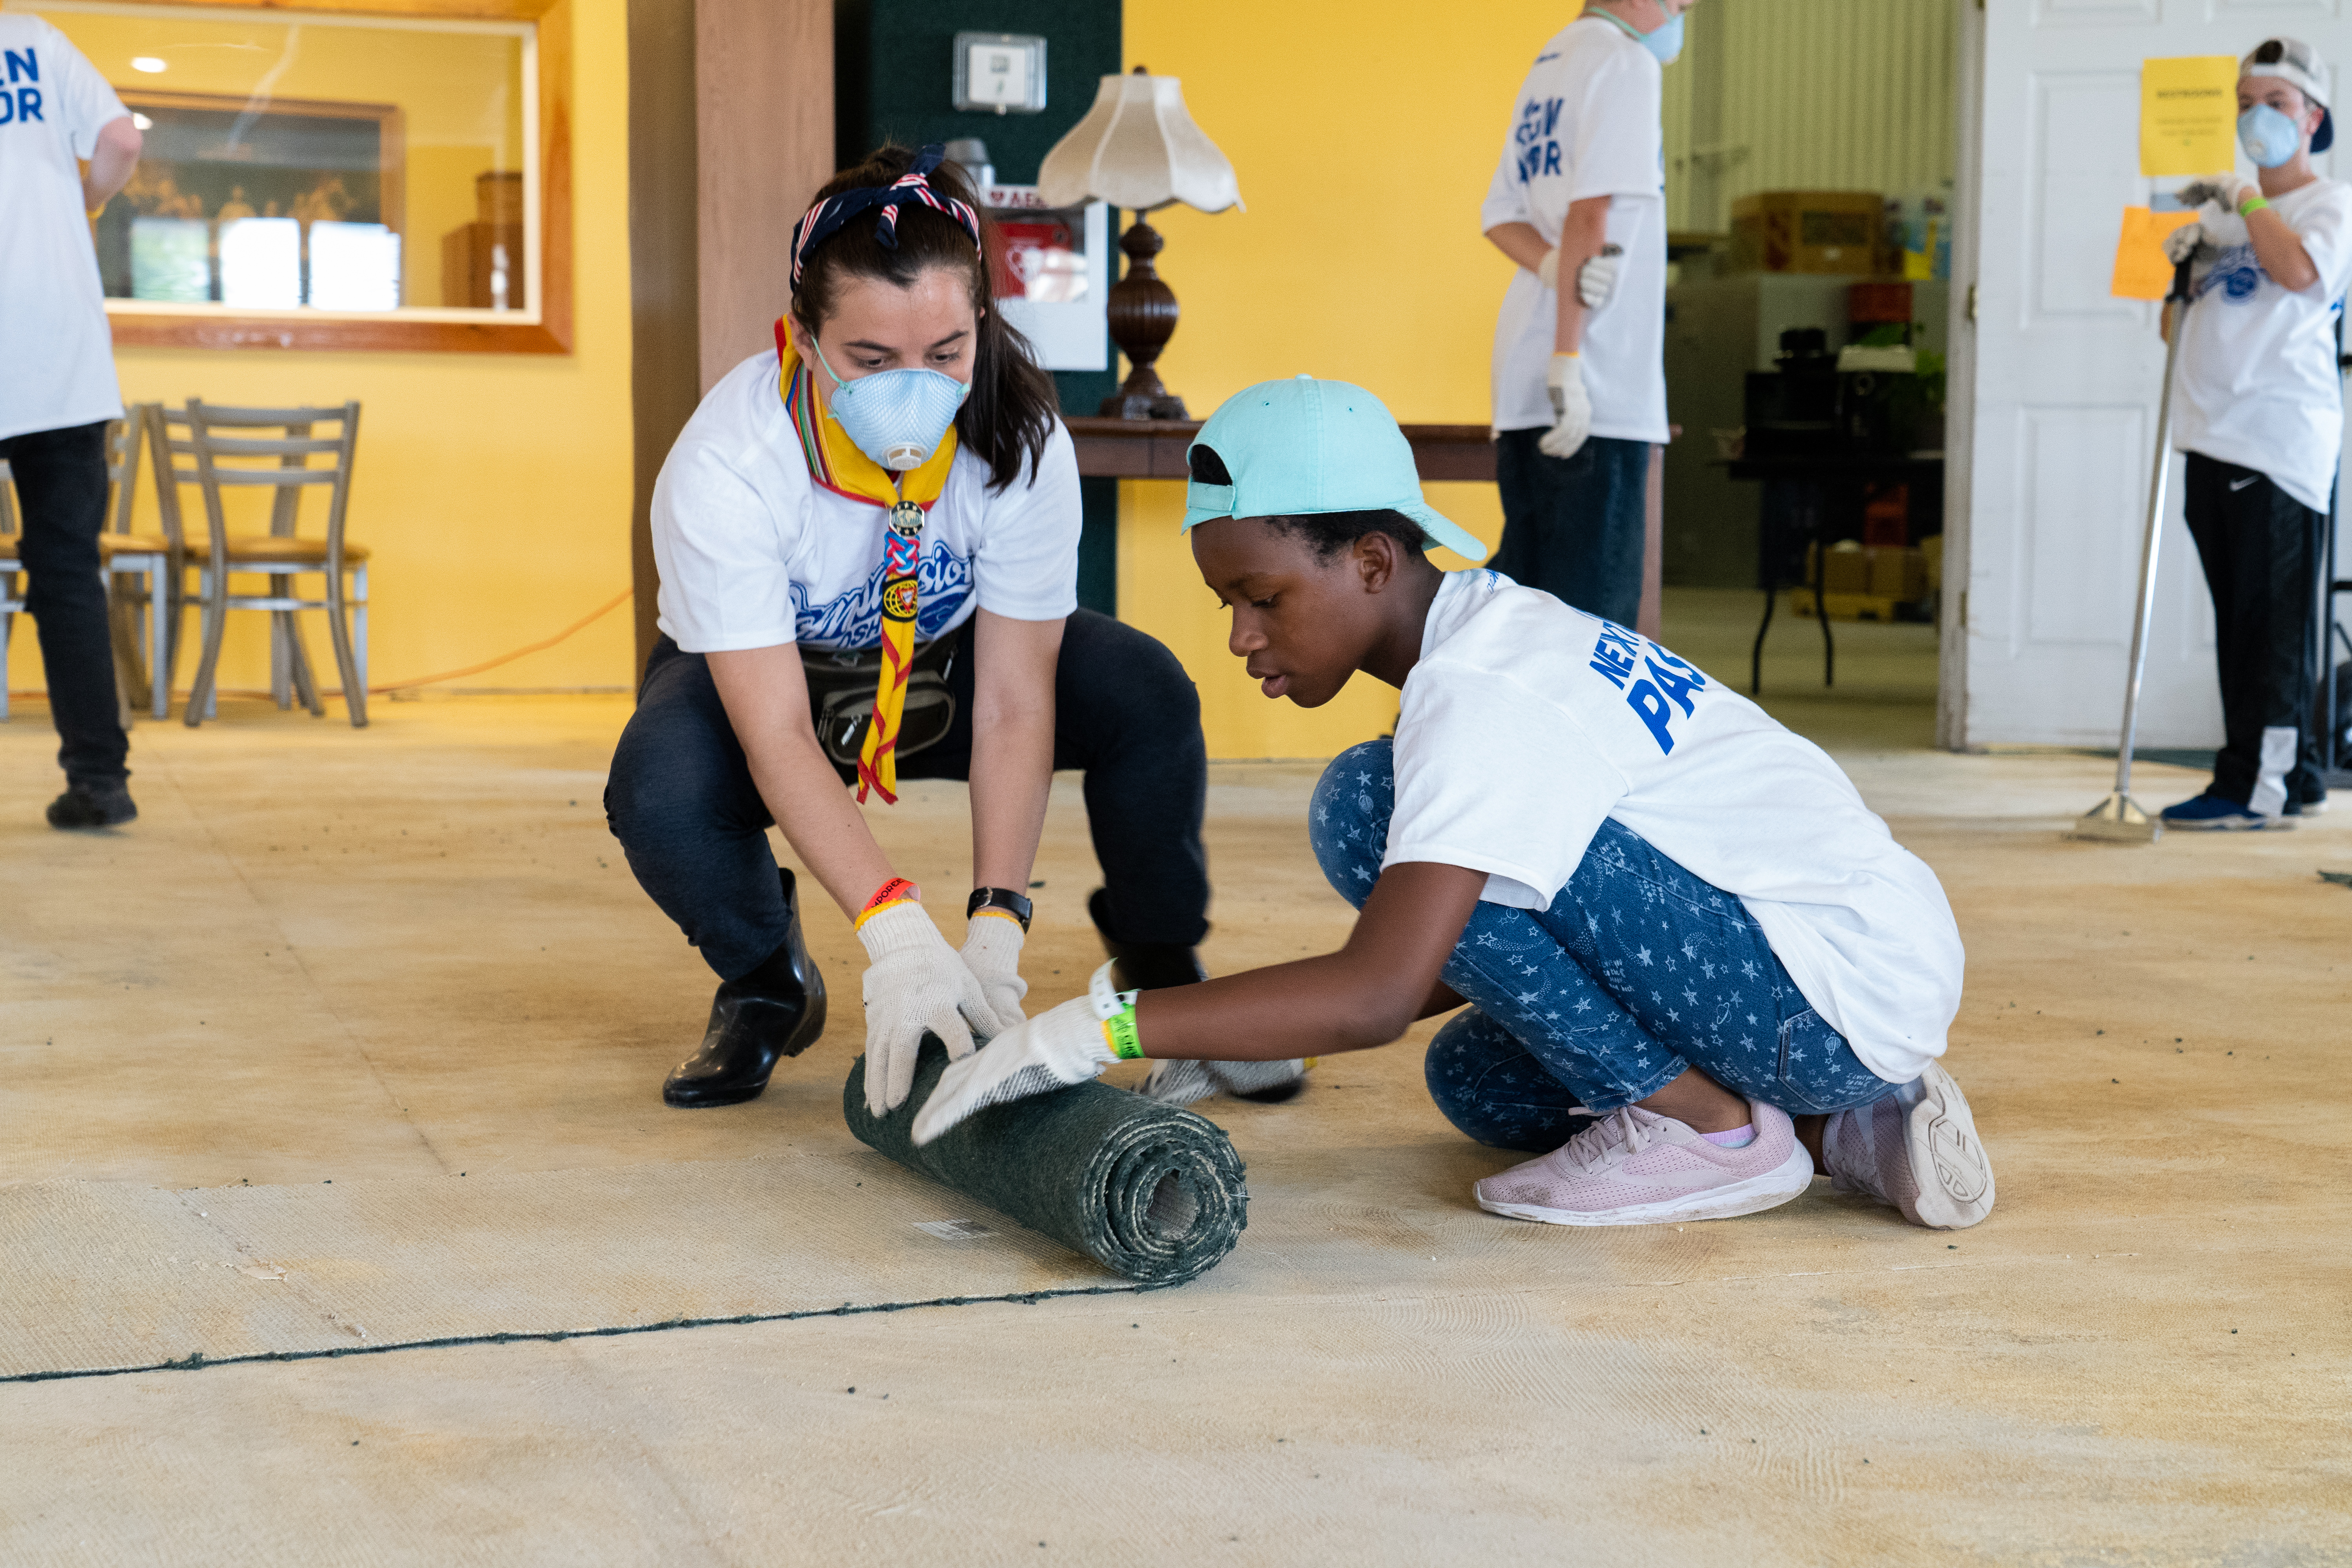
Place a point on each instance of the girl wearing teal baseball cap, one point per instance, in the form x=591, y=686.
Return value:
x=1692, y=969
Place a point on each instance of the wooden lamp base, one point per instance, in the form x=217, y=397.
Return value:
x=1142, y=311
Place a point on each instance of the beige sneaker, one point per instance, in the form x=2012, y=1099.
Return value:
x=1916, y=1151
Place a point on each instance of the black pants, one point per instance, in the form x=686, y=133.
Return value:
x=682, y=803
x=1575, y=526
x=61, y=489
x=2262, y=550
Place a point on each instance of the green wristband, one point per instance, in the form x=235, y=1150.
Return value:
x=1119, y=1030
x=2254, y=205
x=1115, y=1011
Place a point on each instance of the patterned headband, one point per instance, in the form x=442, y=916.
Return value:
x=829, y=215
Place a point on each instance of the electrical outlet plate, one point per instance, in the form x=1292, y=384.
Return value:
x=1000, y=71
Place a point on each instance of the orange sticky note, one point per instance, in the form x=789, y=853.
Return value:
x=2142, y=271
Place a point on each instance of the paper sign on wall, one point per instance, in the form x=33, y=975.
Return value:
x=2188, y=114
x=2142, y=270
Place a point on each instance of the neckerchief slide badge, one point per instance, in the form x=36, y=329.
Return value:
x=902, y=545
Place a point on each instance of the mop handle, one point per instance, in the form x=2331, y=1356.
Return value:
x=2156, y=485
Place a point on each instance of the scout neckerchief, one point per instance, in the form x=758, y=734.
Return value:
x=835, y=462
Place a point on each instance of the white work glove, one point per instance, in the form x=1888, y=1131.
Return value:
x=2185, y=242
x=1059, y=1046
x=992, y=951
x=2223, y=191
x=1571, y=408
x=916, y=984
x=1596, y=281
x=1183, y=1082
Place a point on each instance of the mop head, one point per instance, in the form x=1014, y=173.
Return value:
x=2118, y=819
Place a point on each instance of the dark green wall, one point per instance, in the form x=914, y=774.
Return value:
x=893, y=76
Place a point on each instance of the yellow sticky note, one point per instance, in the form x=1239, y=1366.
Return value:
x=2188, y=114
x=2142, y=270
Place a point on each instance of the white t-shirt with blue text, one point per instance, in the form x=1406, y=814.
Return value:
x=57, y=352
x=1586, y=124
x=1527, y=723
x=2257, y=381
x=755, y=553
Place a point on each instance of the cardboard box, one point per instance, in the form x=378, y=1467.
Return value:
x=1897, y=573
x=1879, y=570
x=1845, y=571
x=1807, y=231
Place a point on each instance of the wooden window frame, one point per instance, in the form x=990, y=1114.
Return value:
x=550, y=334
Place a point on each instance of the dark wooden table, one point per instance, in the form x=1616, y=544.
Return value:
x=1803, y=481
x=1154, y=449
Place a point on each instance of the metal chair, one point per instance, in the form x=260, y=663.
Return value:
x=12, y=596
x=141, y=572
x=222, y=459
x=121, y=555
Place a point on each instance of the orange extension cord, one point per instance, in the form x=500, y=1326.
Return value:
x=582, y=624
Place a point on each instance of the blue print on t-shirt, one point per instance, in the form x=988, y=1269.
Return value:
x=854, y=619
x=2235, y=273
x=1656, y=683
x=23, y=105
x=1539, y=150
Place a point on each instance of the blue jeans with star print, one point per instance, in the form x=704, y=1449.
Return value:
x=1638, y=970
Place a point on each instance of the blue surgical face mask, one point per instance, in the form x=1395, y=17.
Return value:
x=897, y=417
x=1666, y=42
x=2269, y=137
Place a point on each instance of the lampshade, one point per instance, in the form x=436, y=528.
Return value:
x=1138, y=148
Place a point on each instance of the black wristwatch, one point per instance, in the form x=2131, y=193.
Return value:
x=1004, y=898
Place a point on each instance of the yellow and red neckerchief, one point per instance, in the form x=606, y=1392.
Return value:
x=835, y=462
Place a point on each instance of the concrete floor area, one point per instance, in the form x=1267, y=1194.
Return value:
x=384, y=958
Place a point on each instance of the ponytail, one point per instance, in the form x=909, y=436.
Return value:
x=1011, y=410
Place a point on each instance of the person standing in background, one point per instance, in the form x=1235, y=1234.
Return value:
x=1579, y=374
x=2260, y=416
x=57, y=388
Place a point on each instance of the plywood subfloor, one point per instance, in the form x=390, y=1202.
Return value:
x=392, y=956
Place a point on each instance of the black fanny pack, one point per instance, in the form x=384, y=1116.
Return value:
x=841, y=697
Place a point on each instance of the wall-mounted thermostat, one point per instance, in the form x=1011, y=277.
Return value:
x=1003, y=71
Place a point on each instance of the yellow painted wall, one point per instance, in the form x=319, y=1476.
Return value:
x=494, y=489
x=1364, y=136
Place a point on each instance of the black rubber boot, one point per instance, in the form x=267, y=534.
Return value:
x=1143, y=966
x=93, y=805
x=1155, y=966
x=775, y=1012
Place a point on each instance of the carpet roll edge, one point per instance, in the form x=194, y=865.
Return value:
x=1093, y=1196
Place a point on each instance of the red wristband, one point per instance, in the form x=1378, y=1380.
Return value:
x=896, y=890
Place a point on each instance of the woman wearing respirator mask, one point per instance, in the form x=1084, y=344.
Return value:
x=868, y=541
x=2259, y=411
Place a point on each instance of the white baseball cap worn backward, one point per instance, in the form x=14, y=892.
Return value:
x=2297, y=64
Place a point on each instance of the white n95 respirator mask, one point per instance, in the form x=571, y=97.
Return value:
x=2269, y=137
x=897, y=417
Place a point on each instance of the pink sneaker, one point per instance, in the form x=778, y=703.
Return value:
x=1634, y=1167
x=1916, y=1151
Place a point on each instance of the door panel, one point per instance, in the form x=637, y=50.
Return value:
x=2080, y=473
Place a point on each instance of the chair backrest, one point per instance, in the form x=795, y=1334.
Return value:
x=222, y=460
x=125, y=438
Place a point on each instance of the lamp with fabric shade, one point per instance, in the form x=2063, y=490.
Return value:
x=1139, y=149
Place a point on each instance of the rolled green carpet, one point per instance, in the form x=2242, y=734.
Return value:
x=1149, y=1190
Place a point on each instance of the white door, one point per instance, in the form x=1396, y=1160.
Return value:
x=2053, y=390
